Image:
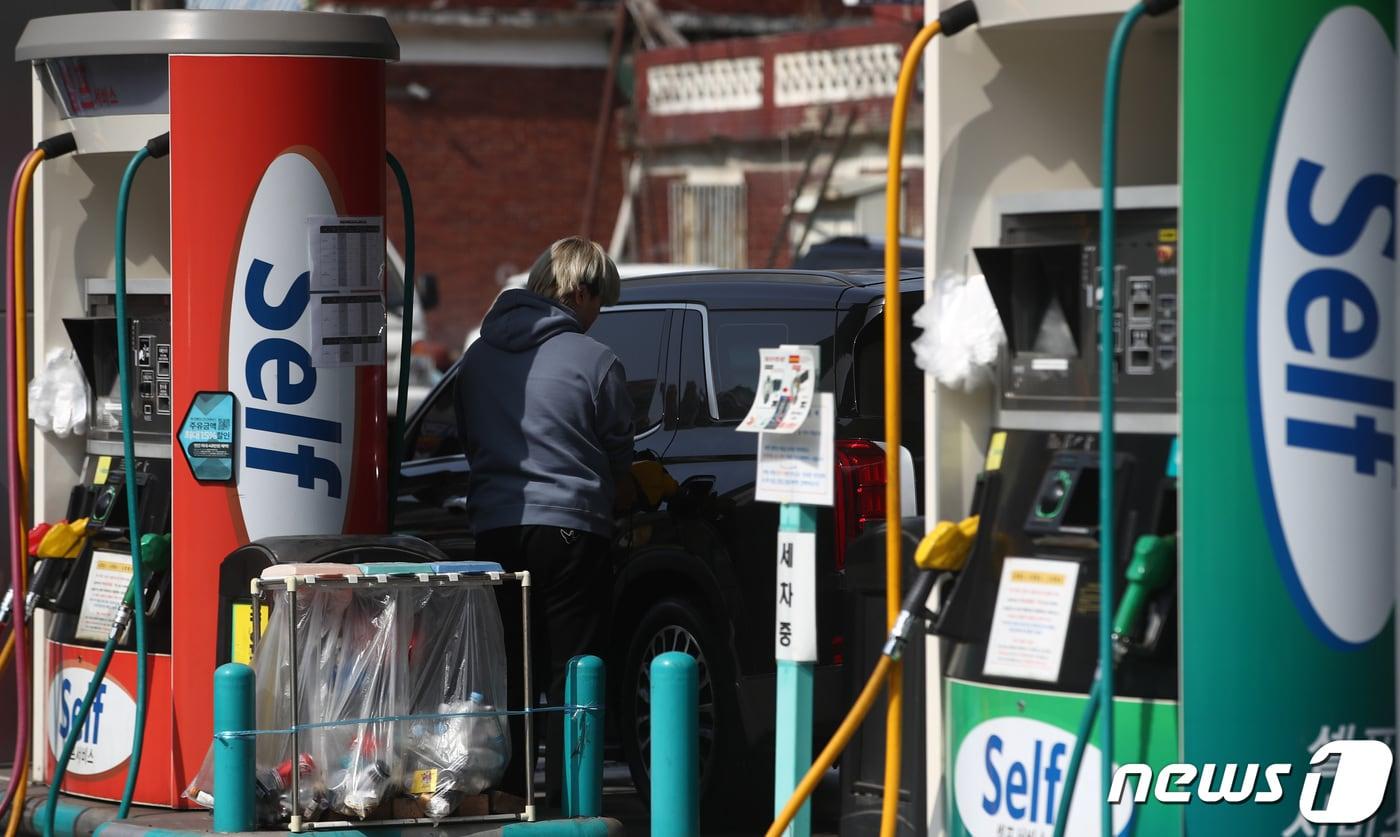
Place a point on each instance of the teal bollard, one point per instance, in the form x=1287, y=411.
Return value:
x=583, y=738
x=675, y=746
x=234, y=757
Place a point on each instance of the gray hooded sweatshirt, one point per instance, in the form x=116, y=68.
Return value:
x=545, y=415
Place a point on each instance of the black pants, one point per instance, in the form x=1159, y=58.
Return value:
x=570, y=596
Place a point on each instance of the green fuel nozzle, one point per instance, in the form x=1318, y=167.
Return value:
x=1152, y=566
x=155, y=557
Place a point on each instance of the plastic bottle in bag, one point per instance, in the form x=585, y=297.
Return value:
x=358, y=789
x=487, y=750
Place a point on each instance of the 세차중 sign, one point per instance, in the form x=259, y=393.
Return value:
x=796, y=624
x=206, y=436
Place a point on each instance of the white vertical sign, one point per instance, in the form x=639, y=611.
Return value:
x=796, y=625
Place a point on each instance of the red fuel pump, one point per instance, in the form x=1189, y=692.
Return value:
x=256, y=332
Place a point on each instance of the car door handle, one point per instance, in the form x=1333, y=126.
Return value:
x=456, y=504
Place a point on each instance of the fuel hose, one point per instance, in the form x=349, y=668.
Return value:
x=15, y=471
x=156, y=148
x=17, y=456
x=1101, y=692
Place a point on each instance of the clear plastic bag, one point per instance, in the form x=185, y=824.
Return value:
x=961, y=334
x=365, y=658
x=458, y=670
x=272, y=711
x=361, y=675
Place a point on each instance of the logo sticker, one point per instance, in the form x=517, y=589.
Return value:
x=1009, y=776
x=1320, y=334
x=298, y=422
x=105, y=740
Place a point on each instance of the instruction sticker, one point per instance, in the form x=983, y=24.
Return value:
x=206, y=436
x=798, y=467
x=107, y=581
x=1031, y=619
x=347, y=253
x=347, y=329
x=787, y=386
x=796, y=636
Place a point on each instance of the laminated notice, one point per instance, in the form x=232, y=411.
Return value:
x=107, y=583
x=347, y=253
x=347, y=329
x=1031, y=619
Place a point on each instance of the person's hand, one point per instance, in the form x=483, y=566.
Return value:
x=626, y=497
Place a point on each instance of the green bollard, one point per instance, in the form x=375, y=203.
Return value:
x=583, y=738
x=234, y=757
x=675, y=746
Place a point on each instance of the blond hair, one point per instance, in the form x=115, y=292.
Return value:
x=571, y=263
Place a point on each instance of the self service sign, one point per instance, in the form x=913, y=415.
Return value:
x=1288, y=392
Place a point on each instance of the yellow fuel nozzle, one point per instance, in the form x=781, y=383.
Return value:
x=947, y=546
x=654, y=482
x=64, y=540
x=943, y=550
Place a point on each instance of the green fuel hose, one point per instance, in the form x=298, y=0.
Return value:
x=1108, y=540
x=1101, y=691
x=138, y=581
x=406, y=337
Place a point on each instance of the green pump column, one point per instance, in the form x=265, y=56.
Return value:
x=1288, y=395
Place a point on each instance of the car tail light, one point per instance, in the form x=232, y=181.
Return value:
x=860, y=491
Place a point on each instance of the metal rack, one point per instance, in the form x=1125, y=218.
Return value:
x=398, y=580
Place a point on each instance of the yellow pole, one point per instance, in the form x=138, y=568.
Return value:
x=894, y=719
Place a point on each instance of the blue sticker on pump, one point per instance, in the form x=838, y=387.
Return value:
x=207, y=434
x=1174, y=458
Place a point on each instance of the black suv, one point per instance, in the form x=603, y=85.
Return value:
x=698, y=575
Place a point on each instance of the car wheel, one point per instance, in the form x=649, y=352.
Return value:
x=676, y=625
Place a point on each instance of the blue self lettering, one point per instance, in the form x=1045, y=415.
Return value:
x=1338, y=287
x=284, y=314
x=285, y=354
x=1372, y=192
x=1363, y=443
x=305, y=465
x=1016, y=789
x=991, y=806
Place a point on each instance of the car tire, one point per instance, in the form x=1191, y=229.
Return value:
x=674, y=624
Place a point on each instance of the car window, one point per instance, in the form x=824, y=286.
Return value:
x=636, y=337
x=693, y=409
x=436, y=434
x=734, y=349
x=870, y=366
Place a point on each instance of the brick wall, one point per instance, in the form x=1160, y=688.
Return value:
x=767, y=193
x=498, y=159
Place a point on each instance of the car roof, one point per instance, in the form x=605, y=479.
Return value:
x=746, y=287
x=759, y=288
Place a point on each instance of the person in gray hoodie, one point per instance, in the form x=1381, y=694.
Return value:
x=546, y=419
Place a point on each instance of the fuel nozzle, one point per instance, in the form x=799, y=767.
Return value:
x=52, y=545
x=1152, y=565
x=61, y=544
x=943, y=550
x=155, y=558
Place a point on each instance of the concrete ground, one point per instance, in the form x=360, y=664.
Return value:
x=624, y=812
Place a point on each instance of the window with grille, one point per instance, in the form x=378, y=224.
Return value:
x=709, y=224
